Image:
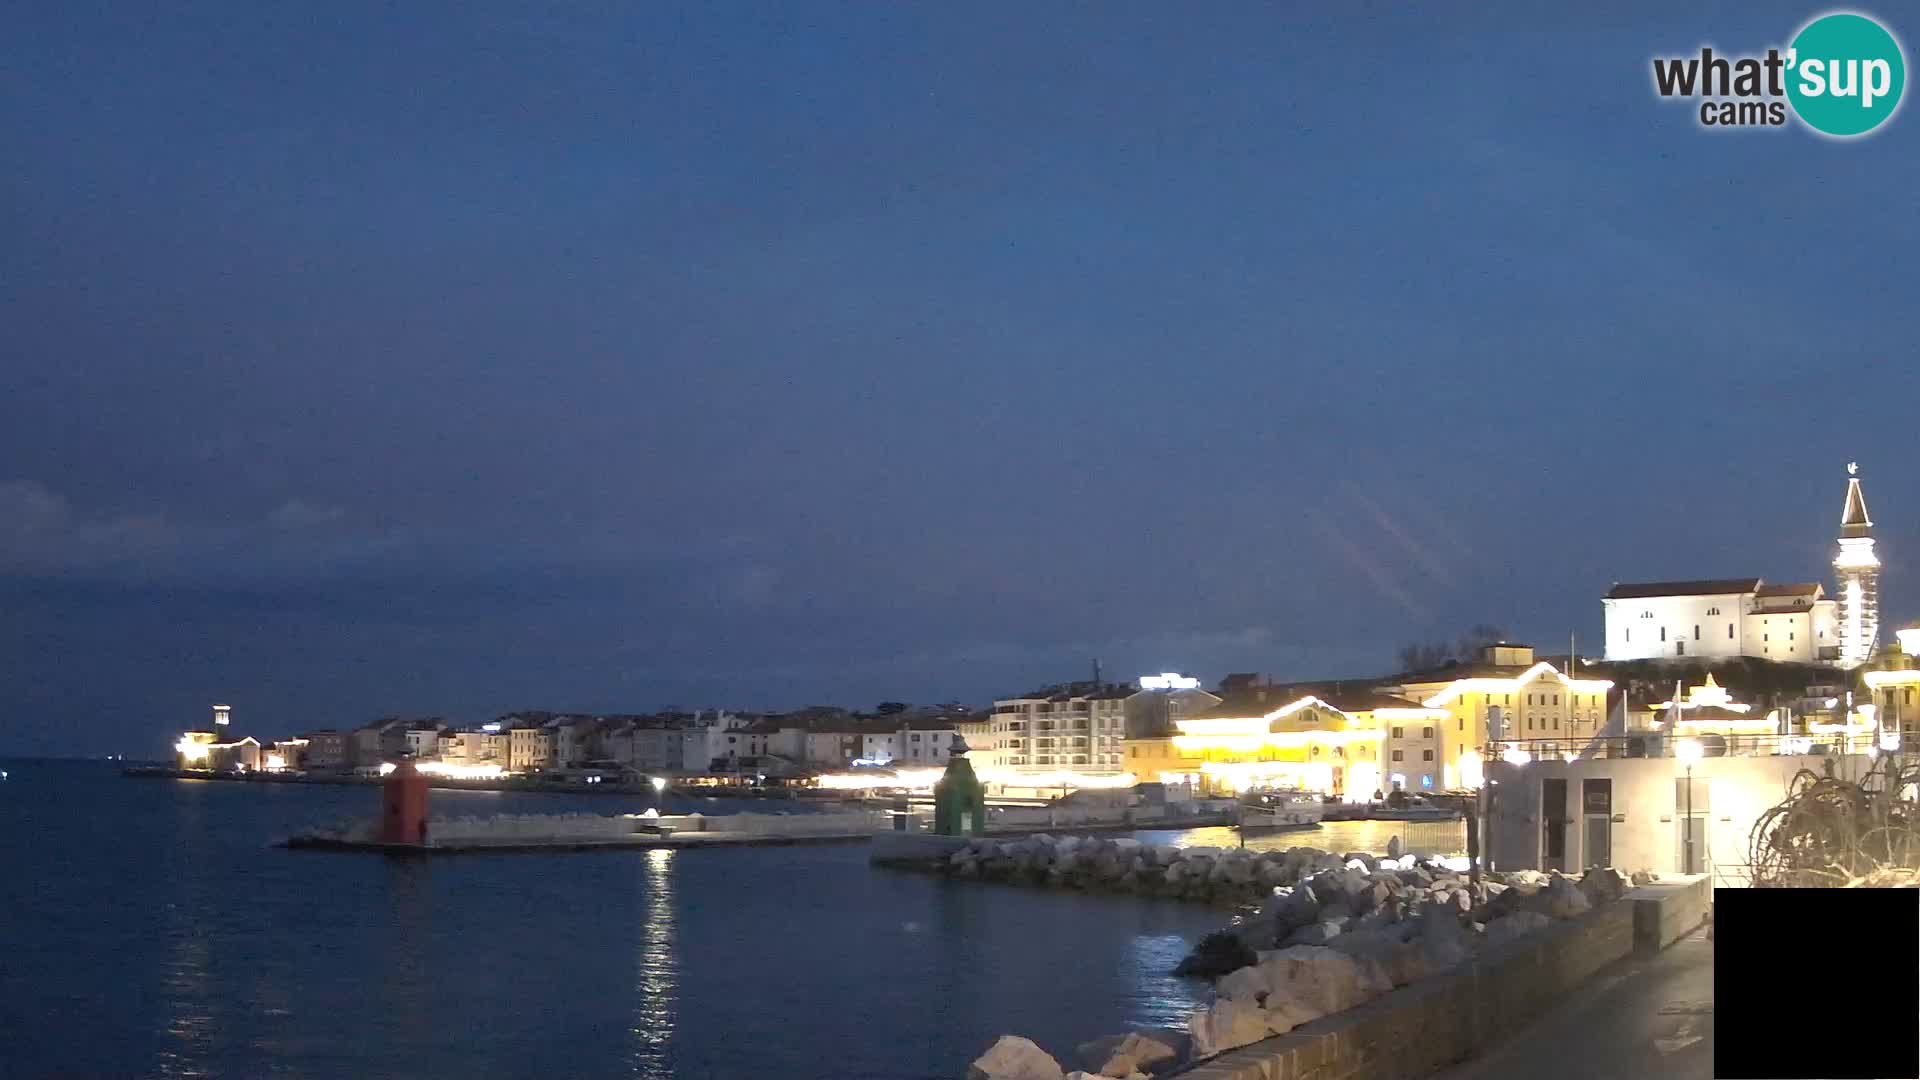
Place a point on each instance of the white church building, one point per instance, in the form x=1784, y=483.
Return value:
x=1729, y=617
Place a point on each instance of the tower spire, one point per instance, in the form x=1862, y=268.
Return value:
x=1853, y=518
x=1857, y=573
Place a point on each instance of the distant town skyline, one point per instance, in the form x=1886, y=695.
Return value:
x=729, y=358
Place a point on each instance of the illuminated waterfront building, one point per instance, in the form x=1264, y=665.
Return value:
x=217, y=751
x=528, y=747
x=1506, y=696
x=1328, y=739
x=1079, y=726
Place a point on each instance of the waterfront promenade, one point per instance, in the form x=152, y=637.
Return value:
x=1647, y=1016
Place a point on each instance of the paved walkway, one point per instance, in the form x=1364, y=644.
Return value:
x=1648, y=1017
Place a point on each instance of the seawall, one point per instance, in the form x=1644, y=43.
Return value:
x=1428, y=1025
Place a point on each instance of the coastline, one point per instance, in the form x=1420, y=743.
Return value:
x=558, y=787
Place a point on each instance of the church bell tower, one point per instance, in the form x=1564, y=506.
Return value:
x=1857, y=577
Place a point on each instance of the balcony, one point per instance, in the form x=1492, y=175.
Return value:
x=1659, y=744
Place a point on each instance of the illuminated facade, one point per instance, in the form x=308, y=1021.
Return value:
x=1709, y=712
x=1079, y=726
x=1729, y=617
x=216, y=751
x=1328, y=740
x=1508, y=696
x=1857, y=578
x=1895, y=686
x=1723, y=618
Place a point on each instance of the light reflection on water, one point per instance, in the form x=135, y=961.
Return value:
x=150, y=931
x=656, y=989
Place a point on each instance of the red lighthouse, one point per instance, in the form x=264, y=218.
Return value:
x=404, y=818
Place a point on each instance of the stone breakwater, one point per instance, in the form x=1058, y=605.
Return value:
x=1224, y=876
x=1329, y=933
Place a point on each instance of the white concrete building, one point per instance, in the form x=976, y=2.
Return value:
x=1079, y=727
x=1721, y=618
x=1650, y=813
x=1728, y=617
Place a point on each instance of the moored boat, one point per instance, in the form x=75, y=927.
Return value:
x=1274, y=809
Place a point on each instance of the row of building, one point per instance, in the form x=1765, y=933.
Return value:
x=670, y=743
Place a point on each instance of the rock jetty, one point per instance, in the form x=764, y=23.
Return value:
x=1330, y=932
x=1225, y=876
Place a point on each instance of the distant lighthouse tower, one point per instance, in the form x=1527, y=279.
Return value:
x=1857, y=574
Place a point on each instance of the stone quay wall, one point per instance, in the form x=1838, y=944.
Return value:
x=1439, y=1021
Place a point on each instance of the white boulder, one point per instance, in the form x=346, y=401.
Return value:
x=1285, y=1012
x=1248, y=984
x=1014, y=1058
x=1226, y=1024
x=1134, y=1054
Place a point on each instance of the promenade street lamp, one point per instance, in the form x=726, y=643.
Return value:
x=1688, y=751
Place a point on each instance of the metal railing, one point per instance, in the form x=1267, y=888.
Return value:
x=1661, y=745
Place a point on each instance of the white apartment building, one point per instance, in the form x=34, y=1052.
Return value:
x=1079, y=726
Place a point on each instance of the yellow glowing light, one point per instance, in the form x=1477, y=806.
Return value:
x=1515, y=756
x=1748, y=723
x=1878, y=679
x=190, y=750
x=1277, y=740
x=450, y=770
x=1472, y=769
x=1363, y=779
x=275, y=761
x=1687, y=750
x=903, y=779
x=1484, y=685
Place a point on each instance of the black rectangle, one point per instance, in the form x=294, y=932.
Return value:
x=1851, y=956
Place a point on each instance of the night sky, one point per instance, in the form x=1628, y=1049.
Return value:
x=449, y=359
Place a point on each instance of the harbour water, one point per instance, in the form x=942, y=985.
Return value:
x=150, y=930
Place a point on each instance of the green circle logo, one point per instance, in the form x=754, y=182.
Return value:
x=1845, y=74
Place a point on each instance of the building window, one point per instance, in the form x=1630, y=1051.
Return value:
x=1462, y=722
x=1663, y=633
x=1729, y=631
x=1397, y=731
x=1396, y=755
x=1696, y=631
x=1763, y=637
x=1426, y=733
x=1426, y=755
x=1713, y=611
